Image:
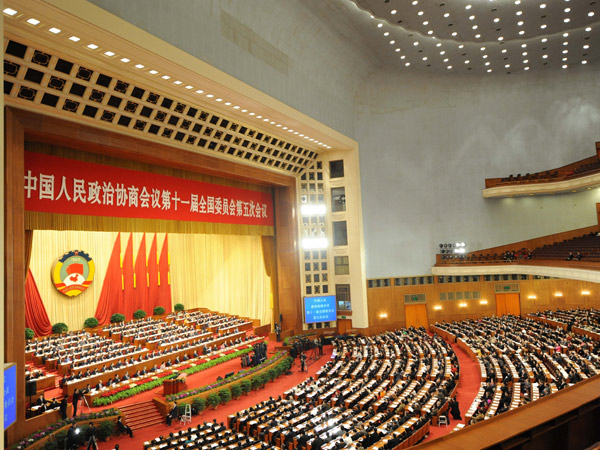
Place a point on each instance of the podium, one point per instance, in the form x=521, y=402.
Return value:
x=171, y=387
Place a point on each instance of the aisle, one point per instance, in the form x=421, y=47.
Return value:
x=468, y=386
x=272, y=389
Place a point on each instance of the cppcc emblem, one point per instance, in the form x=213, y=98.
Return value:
x=73, y=273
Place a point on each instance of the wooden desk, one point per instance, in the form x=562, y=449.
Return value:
x=171, y=387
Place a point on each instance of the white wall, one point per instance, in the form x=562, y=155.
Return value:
x=278, y=47
x=427, y=143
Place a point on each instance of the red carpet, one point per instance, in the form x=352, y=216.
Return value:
x=468, y=386
x=273, y=389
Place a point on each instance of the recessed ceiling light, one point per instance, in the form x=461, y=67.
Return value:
x=426, y=22
x=468, y=7
x=525, y=68
x=525, y=61
x=523, y=45
x=236, y=107
x=489, y=70
x=424, y=58
x=544, y=39
x=407, y=64
x=392, y=42
x=474, y=27
x=504, y=50
x=477, y=36
x=522, y=32
x=109, y=53
x=500, y=38
x=497, y=19
x=415, y=2
x=397, y=50
x=449, y=67
x=467, y=61
x=165, y=77
x=564, y=66
x=446, y=60
x=524, y=53
x=487, y=63
x=430, y=32
x=403, y=56
x=471, y=17
x=176, y=81
x=517, y=2
x=447, y=15
x=545, y=56
x=420, y=13
x=443, y=52
x=586, y=46
x=394, y=11
x=415, y=43
x=584, y=62
x=567, y=10
x=507, y=65
x=484, y=57
x=189, y=87
x=565, y=51
x=126, y=60
x=565, y=59
x=92, y=46
x=386, y=34
x=454, y=33
x=74, y=39
x=461, y=46
x=543, y=5
x=272, y=122
x=567, y=20
x=253, y=114
x=519, y=13
x=439, y=44
x=520, y=23
x=591, y=14
x=379, y=25
x=9, y=11
x=542, y=26
x=588, y=29
x=33, y=21
x=153, y=72
x=245, y=110
x=54, y=30
x=259, y=117
x=482, y=48
x=565, y=43
x=218, y=99
x=211, y=96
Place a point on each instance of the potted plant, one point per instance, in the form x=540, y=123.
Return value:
x=246, y=386
x=198, y=405
x=158, y=312
x=213, y=400
x=139, y=314
x=117, y=317
x=236, y=390
x=90, y=324
x=179, y=307
x=225, y=395
x=29, y=333
x=59, y=328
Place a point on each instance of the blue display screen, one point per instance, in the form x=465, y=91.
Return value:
x=319, y=309
x=10, y=395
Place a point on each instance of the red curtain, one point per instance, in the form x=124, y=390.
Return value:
x=36, y=317
x=111, y=296
x=129, y=295
x=164, y=290
x=153, y=294
x=141, y=277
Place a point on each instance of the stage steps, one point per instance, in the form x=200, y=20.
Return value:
x=141, y=415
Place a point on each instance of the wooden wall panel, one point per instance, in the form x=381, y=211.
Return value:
x=14, y=274
x=390, y=300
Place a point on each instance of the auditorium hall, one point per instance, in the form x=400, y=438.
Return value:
x=301, y=224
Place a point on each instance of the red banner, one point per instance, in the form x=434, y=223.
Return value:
x=66, y=186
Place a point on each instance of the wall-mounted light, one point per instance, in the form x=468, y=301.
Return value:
x=383, y=315
x=462, y=305
x=558, y=294
x=532, y=296
x=437, y=307
x=586, y=292
x=316, y=243
x=483, y=302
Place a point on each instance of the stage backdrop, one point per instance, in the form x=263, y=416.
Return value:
x=221, y=272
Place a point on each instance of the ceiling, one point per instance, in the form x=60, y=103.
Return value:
x=473, y=36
